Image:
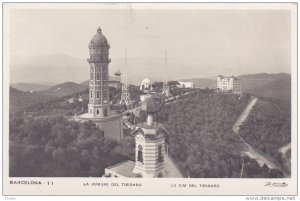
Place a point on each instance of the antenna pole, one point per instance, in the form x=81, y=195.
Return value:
x=165, y=88
x=125, y=95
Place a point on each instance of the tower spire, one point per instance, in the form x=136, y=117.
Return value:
x=99, y=30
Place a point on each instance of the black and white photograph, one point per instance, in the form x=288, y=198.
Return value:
x=114, y=91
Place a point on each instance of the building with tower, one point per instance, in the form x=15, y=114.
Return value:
x=149, y=147
x=99, y=105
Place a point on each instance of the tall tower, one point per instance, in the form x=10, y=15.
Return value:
x=109, y=121
x=165, y=87
x=98, y=86
x=125, y=95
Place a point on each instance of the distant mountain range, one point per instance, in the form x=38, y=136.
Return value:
x=55, y=68
x=276, y=86
x=253, y=81
x=22, y=99
x=30, y=86
x=59, y=68
x=279, y=88
x=263, y=84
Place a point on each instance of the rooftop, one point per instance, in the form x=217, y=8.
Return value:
x=146, y=81
x=227, y=77
x=86, y=116
x=155, y=132
x=98, y=39
x=151, y=105
x=124, y=168
x=114, y=79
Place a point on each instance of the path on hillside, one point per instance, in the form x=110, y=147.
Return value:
x=242, y=118
x=283, y=150
x=251, y=151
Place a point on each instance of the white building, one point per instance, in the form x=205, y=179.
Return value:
x=182, y=84
x=229, y=84
x=115, y=82
x=146, y=84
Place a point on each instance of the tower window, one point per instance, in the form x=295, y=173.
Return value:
x=91, y=94
x=92, y=72
x=97, y=111
x=98, y=94
x=140, y=154
x=160, y=157
x=97, y=75
x=91, y=111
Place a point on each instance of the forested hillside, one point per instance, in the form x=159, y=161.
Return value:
x=268, y=128
x=44, y=142
x=201, y=137
x=56, y=147
x=19, y=100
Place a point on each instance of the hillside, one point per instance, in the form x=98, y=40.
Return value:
x=19, y=100
x=22, y=101
x=278, y=89
x=268, y=128
x=253, y=81
x=56, y=147
x=64, y=89
x=30, y=86
x=264, y=76
x=201, y=139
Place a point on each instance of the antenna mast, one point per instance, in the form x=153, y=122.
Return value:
x=125, y=96
x=165, y=88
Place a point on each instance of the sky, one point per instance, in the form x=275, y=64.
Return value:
x=199, y=43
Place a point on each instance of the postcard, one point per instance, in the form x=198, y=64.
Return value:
x=150, y=99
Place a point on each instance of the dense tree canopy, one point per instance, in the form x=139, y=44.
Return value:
x=201, y=136
x=55, y=146
x=268, y=128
